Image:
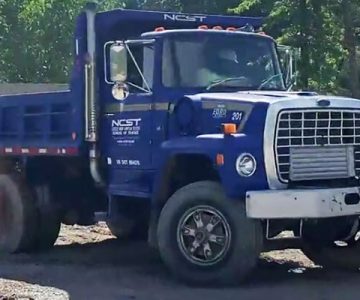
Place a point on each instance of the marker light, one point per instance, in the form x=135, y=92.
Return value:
x=245, y=165
x=231, y=29
x=217, y=28
x=158, y=29
x=203, y=27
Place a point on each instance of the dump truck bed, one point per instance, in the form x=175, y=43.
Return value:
x=40, y=124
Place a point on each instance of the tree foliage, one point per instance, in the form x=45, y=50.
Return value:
x=36, y=35
x=36, y=39
x=318, y=28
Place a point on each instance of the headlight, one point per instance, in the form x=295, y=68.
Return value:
x=246, y=165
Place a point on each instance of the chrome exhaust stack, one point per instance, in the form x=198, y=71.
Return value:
x=91, y=103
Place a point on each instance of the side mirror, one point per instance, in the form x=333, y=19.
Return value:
x=118, y=63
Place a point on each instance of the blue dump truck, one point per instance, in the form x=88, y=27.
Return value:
x=183, y=130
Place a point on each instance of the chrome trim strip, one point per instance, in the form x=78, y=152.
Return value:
x=229, y=105
x=121, y=107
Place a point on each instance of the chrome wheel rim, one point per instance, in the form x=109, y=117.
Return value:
x=203, y=235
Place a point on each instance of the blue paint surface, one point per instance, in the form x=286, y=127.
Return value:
x=135, y=162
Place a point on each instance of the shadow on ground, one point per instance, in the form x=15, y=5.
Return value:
x=114, y=270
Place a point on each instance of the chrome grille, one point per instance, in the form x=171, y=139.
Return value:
x=309, y=128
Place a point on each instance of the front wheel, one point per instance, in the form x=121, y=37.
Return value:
x=205, y=238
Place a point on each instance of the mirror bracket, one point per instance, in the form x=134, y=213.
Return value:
x=126, y=44
x=289, y=56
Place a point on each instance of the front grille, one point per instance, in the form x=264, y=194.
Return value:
x=328, y=162
x=298, y=129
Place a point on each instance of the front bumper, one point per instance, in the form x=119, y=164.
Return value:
x=301, y=204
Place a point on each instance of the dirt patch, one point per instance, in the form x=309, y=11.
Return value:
x=89, y=263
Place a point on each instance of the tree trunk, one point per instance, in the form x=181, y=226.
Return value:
x=304, y=45
x=350, y=46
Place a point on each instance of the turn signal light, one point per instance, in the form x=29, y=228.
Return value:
x=220, y=159
x=229, y=128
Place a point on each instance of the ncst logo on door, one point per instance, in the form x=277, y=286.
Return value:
x=126, y=127
x=125, y=122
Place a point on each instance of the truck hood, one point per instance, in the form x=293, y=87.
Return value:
x=250, y=110
x=268, y=97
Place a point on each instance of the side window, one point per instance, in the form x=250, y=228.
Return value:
x=140, y=68
x=148, y=65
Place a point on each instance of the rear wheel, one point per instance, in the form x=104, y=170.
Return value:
x=205, y=238
x=125, y=228
x=48, y=226
x=129, y=219
x=18, y=215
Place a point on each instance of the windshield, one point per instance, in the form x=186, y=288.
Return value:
x=204, y=60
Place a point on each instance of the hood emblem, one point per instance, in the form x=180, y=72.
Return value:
x=323, y=102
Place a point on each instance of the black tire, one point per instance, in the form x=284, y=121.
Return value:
x=334, y=256
x=126, y=229
x=18, y=215
x=49, y=222
x=325, y=245
x=244, y=245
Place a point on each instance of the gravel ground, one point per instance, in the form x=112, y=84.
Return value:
x=88, y=263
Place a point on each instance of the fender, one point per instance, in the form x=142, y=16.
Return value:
x=210, y=145
x=207, y=147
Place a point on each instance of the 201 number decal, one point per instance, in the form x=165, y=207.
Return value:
x=237, y=116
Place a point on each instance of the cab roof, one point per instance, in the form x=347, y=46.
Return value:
x=128, y=24
x=155, y=34
x=175, y=20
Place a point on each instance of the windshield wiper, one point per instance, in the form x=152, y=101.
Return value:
x=266, y=81
x=222, y=81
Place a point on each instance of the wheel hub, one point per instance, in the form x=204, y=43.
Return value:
x=203, y=235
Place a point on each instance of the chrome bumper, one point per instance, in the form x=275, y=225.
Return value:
x=301, y=204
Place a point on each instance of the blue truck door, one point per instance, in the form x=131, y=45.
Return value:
x=128, y=124
x=127, y=146
x=126, y=132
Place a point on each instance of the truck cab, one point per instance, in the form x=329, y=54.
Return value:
x=183, y=129
x=160, y=98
